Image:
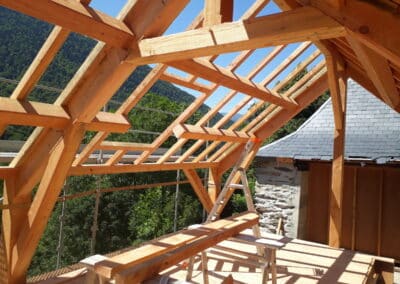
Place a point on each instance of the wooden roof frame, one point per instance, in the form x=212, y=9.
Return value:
x=354, y=36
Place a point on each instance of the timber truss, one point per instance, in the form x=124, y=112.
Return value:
x=347, y=38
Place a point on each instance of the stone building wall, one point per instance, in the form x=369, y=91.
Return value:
x=277, y=195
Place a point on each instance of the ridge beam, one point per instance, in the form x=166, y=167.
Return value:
x=272, y=30
x=206, y=133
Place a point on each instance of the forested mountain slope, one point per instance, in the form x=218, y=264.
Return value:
x=20, y=39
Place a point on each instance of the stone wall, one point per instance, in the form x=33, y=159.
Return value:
x=277, y=195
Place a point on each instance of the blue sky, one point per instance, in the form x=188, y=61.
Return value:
x=186, y=17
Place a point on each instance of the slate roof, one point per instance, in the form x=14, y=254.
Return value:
x=372, y=132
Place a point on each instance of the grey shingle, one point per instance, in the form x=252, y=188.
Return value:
x=372, y=131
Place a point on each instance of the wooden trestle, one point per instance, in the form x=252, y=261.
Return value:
x=357, y=39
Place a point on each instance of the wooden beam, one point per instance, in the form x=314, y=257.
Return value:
x=228, y=79
x=95, y=82
x=7, y=172
x=108, y=121
x=199, y=189
x=285, y=63
x=54, y=116
x=74, y=16
x=49, y=189
x=32, y=113
x=127, y=146
x=272, y=30
x=196, y=240
x=169, y=130
x=312, y=90
x=206, y=133
x=214, y=184
x=141, y=168
x=337, y=86
x=369, y=22
x=47, y=52
x=12, y=220
x=379, y=72
x=175, y=79
x=217, y=12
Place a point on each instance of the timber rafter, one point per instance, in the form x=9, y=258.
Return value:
x=357, y=39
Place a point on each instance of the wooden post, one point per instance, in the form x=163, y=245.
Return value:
x=338, y=89
x=214, y=184
x=217, y=12
x=12, y=220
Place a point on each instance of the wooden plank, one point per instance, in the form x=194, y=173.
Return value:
x=199, y=189
x=206, y=133
x=74, y=16
x=390, y=246
x=379, y=72
x=319, y=181
x=228, y=79
x=348, y=206
x=140, y=168
x=127, y=146
x=367, y=209
x=217, y=12
x=207, y=236
x=271, y=30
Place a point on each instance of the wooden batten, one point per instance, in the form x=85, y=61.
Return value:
x=140, y=168
x=127, y=146
x=228, y=79
x=206, y=133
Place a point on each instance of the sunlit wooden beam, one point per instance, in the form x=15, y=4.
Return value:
x=271, y=30
x=206, y=133
x=77, y=17
x=30, y=113
x=147, y=167
x=231, y=80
